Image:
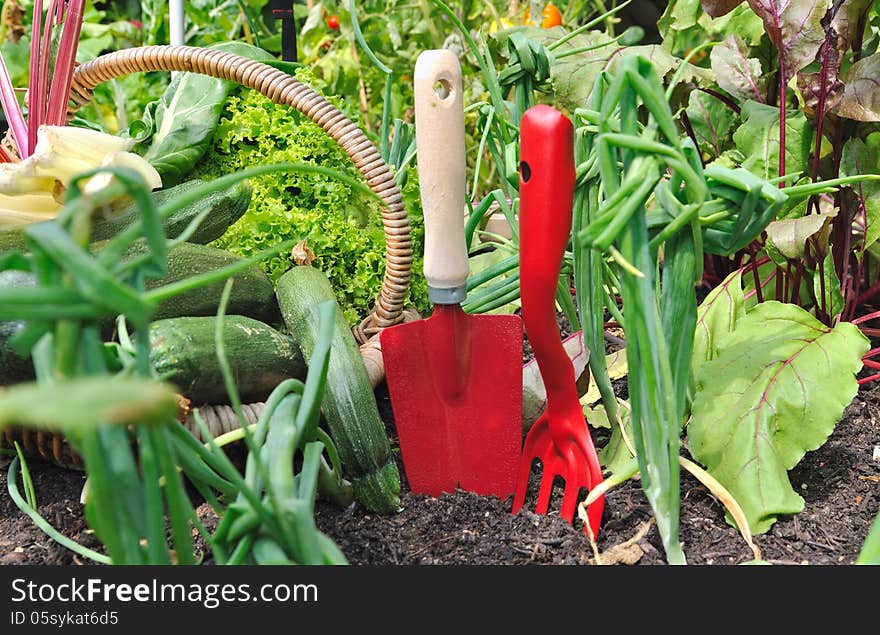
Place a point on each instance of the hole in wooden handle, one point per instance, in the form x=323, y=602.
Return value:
x=442, y=88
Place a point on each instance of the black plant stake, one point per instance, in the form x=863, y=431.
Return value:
x=283, y=11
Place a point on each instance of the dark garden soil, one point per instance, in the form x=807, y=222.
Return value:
x=840, y=483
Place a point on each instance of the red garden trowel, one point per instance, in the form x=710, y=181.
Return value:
x=455, y=380
x=559, y=438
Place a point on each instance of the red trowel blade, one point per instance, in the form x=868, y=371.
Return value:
x=455, y=382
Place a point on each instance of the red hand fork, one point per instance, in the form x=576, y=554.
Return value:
x=559, y=438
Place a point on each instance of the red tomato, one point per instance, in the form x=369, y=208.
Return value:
x=333, y=22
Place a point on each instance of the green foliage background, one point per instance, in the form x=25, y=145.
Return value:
x=342, y=228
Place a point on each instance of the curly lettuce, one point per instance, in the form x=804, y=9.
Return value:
x=341, y=227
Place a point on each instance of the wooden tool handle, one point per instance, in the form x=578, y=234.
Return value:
x=441, y=163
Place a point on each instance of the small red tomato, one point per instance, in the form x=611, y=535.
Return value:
x=333, y=22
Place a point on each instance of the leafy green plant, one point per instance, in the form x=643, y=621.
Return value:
x=116, y=102
x=744, y=394
x=870, y=552
x=125, y=424
x=270, y=520
x=206, y=21
x=47, y=93
x=178, y=129
x=774, y=388
x=342, y=228
x=680, y=179
x=791, y=99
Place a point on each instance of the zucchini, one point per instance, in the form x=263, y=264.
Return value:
x=349, y=405
x=14, y=367
x=223, y=209
x=252, y=293
x=182, y=352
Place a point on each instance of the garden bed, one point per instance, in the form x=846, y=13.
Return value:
x=839, y=483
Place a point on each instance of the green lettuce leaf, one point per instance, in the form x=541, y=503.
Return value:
x=758, y=140
x=341, y=227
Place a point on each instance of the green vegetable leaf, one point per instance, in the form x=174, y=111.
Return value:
x=572, y=77
x=795, y=28
x=181, y=124
x=845, y=22
x=736, y=72
x=779, y=385
x=717, y=316
x=861, y=94
x=712, y=122
x=16, y=56
x=615, y=455
x=830, y=283
x=678, y=25
x=665, y=64
x=73, y=405
x=684, y=25
x=790, y=235
x=341, y=226
x=679, y=15
x=863, y=157
x=758, y=140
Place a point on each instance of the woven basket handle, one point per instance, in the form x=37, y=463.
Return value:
x=284, y=89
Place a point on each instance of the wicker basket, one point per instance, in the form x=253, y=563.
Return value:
x=281, y=88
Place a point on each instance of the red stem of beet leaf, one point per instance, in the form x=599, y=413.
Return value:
x=820, y=113
x=727, y=101
x=48, y=93
x=865, y=318
x=780, y=284
x=871, y=378
x=689, y=129
x=781, y=118
x=796, y=284
x=842, y=223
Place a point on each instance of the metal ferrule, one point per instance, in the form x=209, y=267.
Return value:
x=450, y=295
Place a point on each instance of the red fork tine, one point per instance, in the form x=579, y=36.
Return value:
x=560, y=438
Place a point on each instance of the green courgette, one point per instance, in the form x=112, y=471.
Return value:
x=182, y=352
x=349, y=404
x=221, y=210
x=14, y=367
x=252, y=292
